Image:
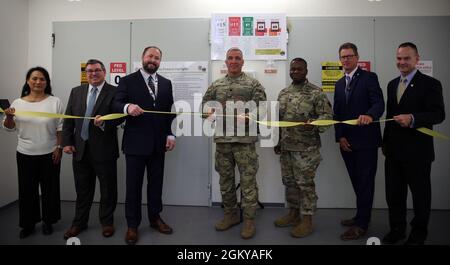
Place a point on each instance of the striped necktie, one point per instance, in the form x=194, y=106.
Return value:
x=151, y=85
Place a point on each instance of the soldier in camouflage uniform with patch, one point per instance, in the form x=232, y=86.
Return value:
x=299, y=147
x=232, y=148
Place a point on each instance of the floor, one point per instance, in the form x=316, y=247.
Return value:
x=195, y=226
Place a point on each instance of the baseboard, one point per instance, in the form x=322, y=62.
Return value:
x=11, y=204
x=265, y=204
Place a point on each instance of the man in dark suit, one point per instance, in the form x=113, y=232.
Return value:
x=146, y=139
x=94, y=147
x=414, y=100
x=358, y=96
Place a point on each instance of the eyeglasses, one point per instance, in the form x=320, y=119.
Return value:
x=94, y=71
x=347, y=57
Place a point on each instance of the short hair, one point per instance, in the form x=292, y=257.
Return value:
x=349, y=45
x=95, y=61
x=300, y=60
x=410, y=45
x=152, y=47
x=234, y=49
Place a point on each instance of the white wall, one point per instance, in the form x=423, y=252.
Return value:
x=13, y=56
x=43, y=12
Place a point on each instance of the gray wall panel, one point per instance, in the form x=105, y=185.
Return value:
x=75, y=43
x=187, y=168
x=13, y=55
x=432, y=36
x=317, y=39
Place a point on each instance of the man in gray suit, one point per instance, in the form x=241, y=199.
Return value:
x=94, y=147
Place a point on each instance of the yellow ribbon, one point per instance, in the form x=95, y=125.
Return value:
x=433, y=133
x=48, y=115
x=315, y=123
x=114, y=116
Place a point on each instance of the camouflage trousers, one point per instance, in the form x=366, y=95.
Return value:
x=298, y=170
x=246, y=158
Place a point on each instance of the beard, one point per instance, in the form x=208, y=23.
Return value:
x=148, y=69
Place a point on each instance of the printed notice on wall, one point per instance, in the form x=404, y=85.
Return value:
x=188, y=78
x=426, y=67
x=117, y=71
x=259, y=36
x=331, y=73
x=83, y=76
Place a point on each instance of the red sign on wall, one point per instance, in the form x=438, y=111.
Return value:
x=234, y=26
x=365, y=65
x=118, y=67
x=117, y=71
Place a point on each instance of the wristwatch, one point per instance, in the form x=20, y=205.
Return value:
x=59, y=147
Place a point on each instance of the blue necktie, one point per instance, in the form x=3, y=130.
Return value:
x=347, y=87
x=88, y=113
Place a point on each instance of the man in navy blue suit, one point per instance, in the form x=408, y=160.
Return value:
x=414, y=100
x=358, y=96
x=146, y=138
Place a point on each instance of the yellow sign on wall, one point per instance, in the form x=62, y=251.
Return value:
x=83, y=77
x=331, y=73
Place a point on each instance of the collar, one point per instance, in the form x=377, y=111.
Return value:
x=99, y=88
x=409, y=76
x=301, y=85
x=352, y=73
x=146, y=75
x=235, y=77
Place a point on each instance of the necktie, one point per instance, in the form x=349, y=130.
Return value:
x=88, y=113
x=152, y=85
x=347, y=87
x=401, y=88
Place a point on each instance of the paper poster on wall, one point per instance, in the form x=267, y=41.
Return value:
x=426, y=67
x=259, y=36
x=331, y=73
x=83, y=76
x=188, y=78
x=117, y=71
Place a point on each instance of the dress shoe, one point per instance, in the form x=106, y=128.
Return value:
x=162, y=227
x=73, y=231
x=47, y=229
x=416, y=238
x=414, y=242
x=393, y=237
x=108, y=230
x=25, y=232
x=348, y=222
x=353, y=233
x=131, y=236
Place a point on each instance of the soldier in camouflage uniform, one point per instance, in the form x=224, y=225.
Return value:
x=232, y=149
x=299, y=147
